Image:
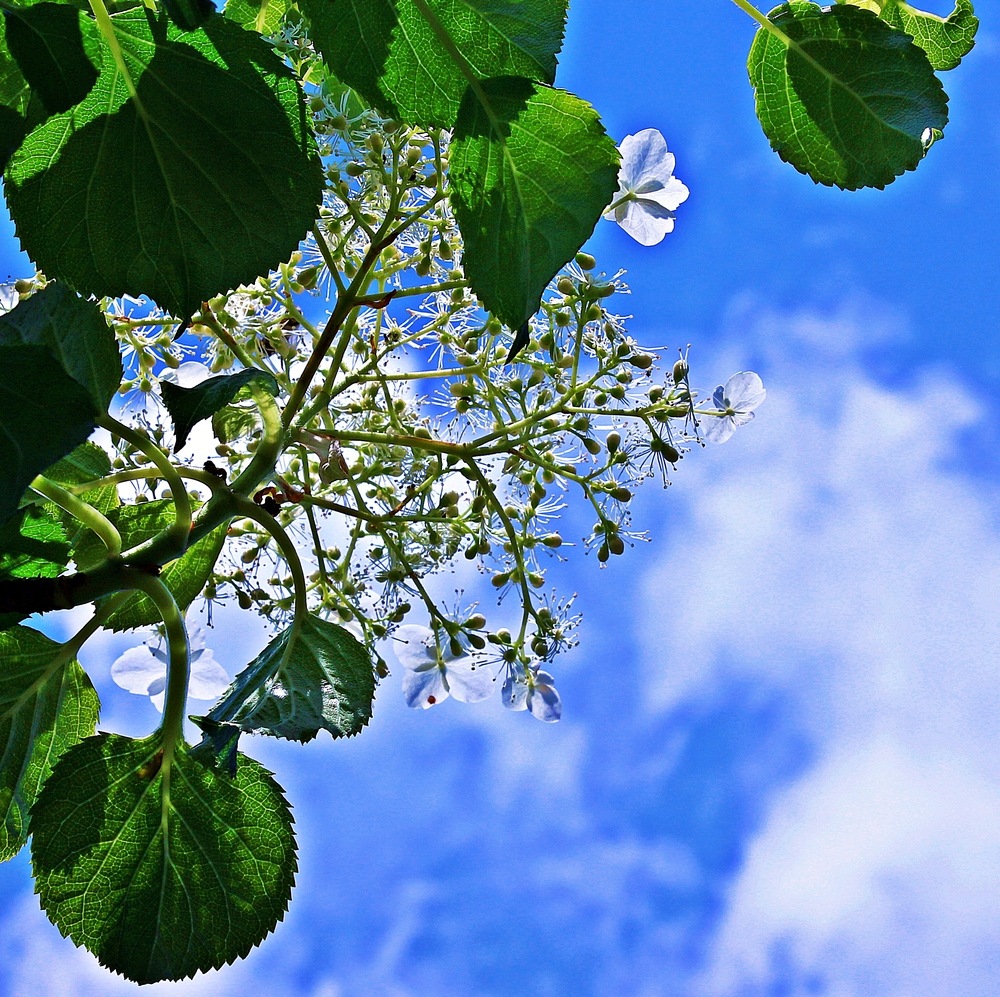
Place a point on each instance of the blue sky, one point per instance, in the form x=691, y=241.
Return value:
x=777, y=771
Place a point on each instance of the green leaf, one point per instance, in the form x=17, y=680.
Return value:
x=262, y=16
x=232, y=422
x=415, y=63
x=842, y=96
x=530, y=171
x=15, y=95
x=161, y=867
x=46, y=706
x=44, y=414
x=87, y=462
x=74, y=331
x=326, y=682
x=33, y=544
x=56, y=47
x=945, y=40
x=188, y=406
x=169, y=192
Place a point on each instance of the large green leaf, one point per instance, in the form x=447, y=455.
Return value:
x=15, y=95
x=33, y=544
x=46, y=706
x=842, y=96
x=188, y=406
x=170, y=192
x=56, y=48
x=326, y=682
x=161, y=868
x=414, y=59
x=44, y=414
x=73, y=330
x=531, y=170
x=945, y=40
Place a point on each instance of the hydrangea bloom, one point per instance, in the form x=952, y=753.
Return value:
x=142, y=670
x=433, y=674
x=742, y=393
x=648, y=192
x=533, y=690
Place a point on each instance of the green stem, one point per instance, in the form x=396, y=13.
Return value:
x=269, y=446
x=208, y=318
x=178, y=657
x=107, y=30
x=93, y=519
x=179, y=534
x=762, y=20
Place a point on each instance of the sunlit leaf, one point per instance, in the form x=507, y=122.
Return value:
x=47, y=705
x=842, y=96
x=161, y=868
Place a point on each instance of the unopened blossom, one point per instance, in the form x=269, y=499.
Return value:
x=648, y=192
x=742, y=393
x=142, y=670
x=434, y=673
x=533, y=690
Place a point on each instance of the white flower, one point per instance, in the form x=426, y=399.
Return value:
x=648, y=192
x=433, y=674
x=9, y=297
x=742, y=393
x=143, y=670
x=532, y=690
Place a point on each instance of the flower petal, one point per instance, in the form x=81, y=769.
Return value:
x=414, y=647
x=469, y=681
x=424, y=688
x=645, y=158
x=208, y=677
x=138, y=671
x=646, y=228
x=717, y=429
x=515, y=693
x=745, y=391
x=670, y=195
x=544, y=701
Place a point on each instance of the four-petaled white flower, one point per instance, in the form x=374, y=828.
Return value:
x=532, y=690
x=742, y=393
x=143, y=670
x=648, y=192
x=434, y=673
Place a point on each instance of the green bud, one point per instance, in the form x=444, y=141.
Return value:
x=565, y=286
x=613, y=441
x=592, y=446
x=680, y=371
x=616, y=545
x=585, y=261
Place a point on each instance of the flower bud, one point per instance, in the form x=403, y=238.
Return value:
x=680, y=371
x=613, y=441
x=616, y=545
x=592, y=446
x=585, y=261
x=566, y=286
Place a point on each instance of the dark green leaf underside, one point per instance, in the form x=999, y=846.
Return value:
x=160, y=892
x=44, y=414
x=185, y=198
x=43, y=712
x=188, y=406
x=416, y=65
x=326, y=683
x=842, y=96
x=945, y=40
x=528, y=183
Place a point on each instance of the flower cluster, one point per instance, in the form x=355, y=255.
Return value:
x=422, y=445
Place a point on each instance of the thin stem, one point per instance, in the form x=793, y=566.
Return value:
x=107, y=30
x=178, y=656
x=209, y=319
x=180, y=532
x=92, y=518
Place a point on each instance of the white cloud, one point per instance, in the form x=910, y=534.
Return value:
x=835, y=556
